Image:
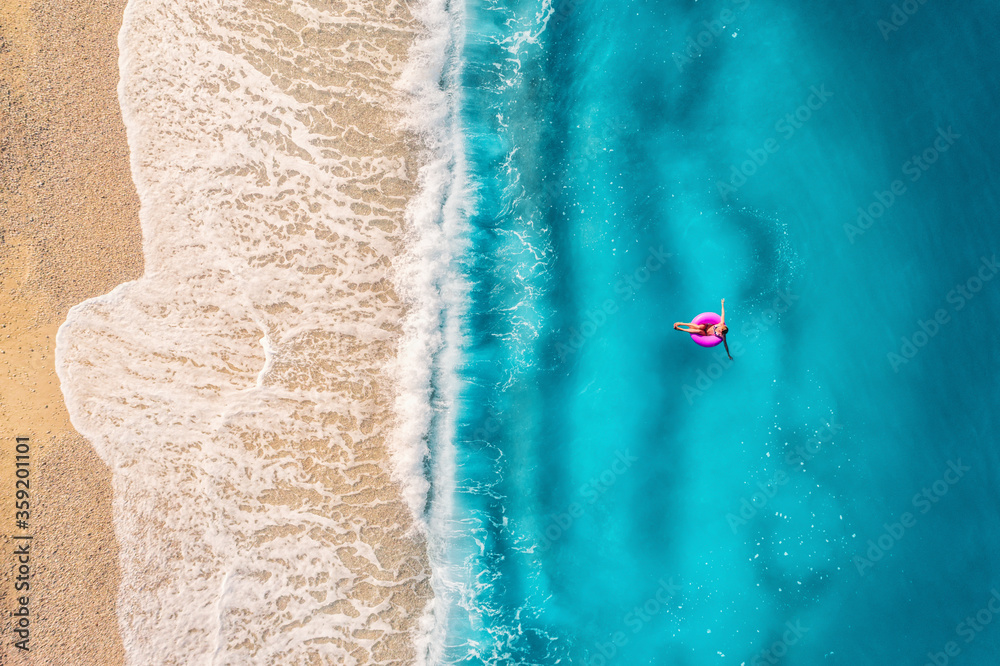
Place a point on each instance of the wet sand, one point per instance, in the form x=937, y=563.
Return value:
x=70, y=230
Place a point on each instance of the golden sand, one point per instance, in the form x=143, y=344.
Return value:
x=69, y=230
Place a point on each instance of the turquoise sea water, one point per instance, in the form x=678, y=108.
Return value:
x=624, y=496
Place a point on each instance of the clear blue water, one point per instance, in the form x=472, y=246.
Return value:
x=625, y=496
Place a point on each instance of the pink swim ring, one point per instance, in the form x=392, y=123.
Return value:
x=706, y=340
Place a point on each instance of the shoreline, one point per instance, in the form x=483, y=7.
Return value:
x=70, y=232
x=208, y=498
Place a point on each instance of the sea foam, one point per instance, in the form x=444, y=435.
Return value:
x=432, y=283
x=242, y=391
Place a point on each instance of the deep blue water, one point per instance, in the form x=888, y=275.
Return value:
x=625, y=496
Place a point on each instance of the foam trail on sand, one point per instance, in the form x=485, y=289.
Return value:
x=242, y=390
x=432, y=283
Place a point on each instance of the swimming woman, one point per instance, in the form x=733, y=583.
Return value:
x=718, y=330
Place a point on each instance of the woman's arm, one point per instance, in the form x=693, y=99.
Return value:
x=726, y=345
x=723, y=311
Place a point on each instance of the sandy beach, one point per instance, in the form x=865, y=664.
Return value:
x=69, y=230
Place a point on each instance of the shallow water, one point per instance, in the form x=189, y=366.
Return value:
x=242, y=391
x=624, y=496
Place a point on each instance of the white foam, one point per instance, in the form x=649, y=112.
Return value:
x=433, y=345
x=432, y=284
x=238, y=390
